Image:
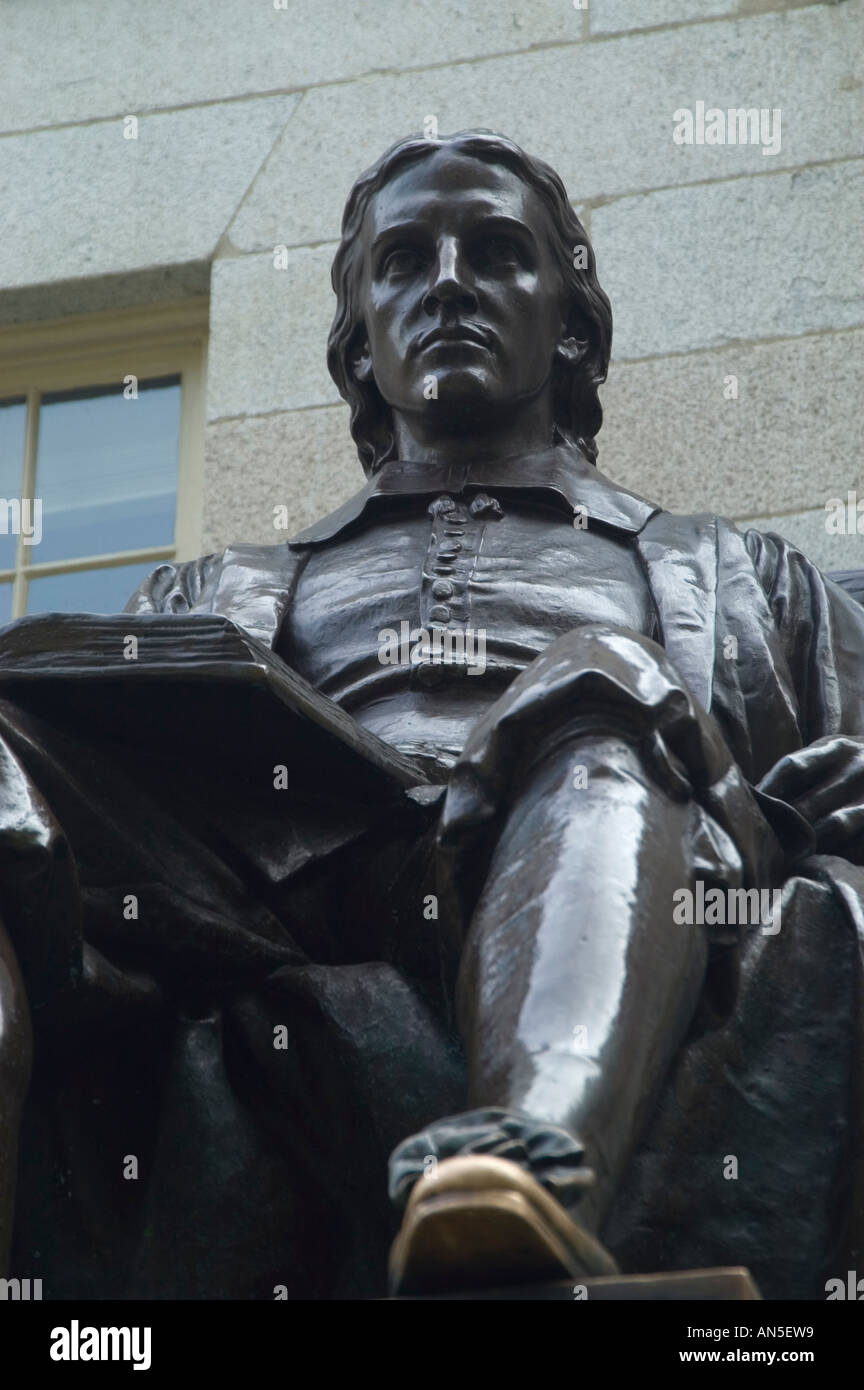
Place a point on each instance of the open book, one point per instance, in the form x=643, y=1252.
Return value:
x=209, y=665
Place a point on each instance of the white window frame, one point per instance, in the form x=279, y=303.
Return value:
x=95, y=350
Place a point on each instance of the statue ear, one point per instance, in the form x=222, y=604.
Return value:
x=361, y=364
x=569, y=351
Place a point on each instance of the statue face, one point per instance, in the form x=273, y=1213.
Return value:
x=459, y=284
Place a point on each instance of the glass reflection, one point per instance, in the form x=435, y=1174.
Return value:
x=5, y=604
x=106, y=469
x=88, y=591
x=13, y=423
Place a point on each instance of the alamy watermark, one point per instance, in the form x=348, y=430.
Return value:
x=738, y=125
x=20, y=1290
x=851, y=1288
x=77, y=1343
x=728, y=907
x=421, y=646
x=845, y=518
x=21, y=517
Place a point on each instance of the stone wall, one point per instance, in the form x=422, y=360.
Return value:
x=736, y=275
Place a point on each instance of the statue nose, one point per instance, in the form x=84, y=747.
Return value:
x=451, y=286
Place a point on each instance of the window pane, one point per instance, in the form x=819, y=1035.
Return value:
x=5, y=604
x=107, y=469
x=13, y=422
x=88, y=591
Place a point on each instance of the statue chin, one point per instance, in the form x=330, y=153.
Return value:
x=472, y=401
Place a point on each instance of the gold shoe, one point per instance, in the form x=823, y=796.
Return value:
x=478, y=1221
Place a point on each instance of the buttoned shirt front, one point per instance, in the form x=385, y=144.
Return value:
x=420, y=602
x=762, y=639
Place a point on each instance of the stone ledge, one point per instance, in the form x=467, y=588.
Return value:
x=730, y=1284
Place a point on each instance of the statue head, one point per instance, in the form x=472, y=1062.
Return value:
x=466, y=291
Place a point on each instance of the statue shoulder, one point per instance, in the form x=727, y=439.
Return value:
x=712, y=539
x=252, y=585
x=692, y=532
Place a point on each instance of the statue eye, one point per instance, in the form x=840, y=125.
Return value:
x=499, y=251
x=401, y=261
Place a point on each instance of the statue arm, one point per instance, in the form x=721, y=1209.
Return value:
x=183, y=588
x=821, y=629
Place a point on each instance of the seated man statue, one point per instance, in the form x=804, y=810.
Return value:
x=589, y=977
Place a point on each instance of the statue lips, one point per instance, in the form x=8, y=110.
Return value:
x=458, y=333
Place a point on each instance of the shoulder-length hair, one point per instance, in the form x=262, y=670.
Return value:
x=578, y=413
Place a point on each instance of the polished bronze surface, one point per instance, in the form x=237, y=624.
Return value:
x=376, y=850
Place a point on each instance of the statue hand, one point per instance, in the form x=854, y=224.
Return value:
x=825, y=784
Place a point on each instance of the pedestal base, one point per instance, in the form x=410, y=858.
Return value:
x=687, y=1285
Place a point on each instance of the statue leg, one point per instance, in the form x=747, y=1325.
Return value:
x=593, y=791
x=576, y=987
x=15, y=1063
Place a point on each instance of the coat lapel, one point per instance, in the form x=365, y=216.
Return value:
x=680, y=558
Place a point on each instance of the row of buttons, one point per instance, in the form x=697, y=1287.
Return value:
x=445, y=552
x=454, y=541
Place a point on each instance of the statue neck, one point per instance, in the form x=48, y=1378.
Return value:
x=474, y=437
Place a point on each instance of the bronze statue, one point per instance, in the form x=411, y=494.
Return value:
x=541, y=876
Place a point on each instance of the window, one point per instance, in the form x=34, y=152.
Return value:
x=101, y=441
